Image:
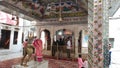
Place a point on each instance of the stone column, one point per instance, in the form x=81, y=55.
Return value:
x=105, y=32
x=97, y=33
x=52, y=35
x=0, y=30
x=51, y=42
x=76, y=36
x=38, y=32
x=11, y=38
x=76, y=46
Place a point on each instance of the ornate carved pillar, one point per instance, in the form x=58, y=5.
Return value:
x=97, y=33
x=105, y=32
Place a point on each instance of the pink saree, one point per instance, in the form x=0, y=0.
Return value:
x=38, y=49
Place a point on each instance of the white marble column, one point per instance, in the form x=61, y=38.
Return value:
x=51, y=41
x=11, y=38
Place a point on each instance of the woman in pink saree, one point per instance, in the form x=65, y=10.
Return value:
x=38, y=49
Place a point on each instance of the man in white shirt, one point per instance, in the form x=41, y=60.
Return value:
x=69, y=46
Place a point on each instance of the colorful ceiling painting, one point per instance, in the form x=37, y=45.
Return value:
x=50, y=8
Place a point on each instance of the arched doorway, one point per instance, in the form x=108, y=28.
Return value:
x=61, y=37
x=83, y=42
x=45, y=37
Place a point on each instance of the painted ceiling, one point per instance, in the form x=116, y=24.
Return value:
x=47, y=9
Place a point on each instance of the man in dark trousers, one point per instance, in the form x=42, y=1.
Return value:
x=54, y=47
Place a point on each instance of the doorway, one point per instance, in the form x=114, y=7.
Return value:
x=46, y=39
x=5, y=39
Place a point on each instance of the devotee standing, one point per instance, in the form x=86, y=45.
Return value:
x=69, y=46
x=37, y=43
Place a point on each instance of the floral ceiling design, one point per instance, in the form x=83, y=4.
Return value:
x=50, y=8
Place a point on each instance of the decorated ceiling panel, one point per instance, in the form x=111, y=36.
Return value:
x=46, y=9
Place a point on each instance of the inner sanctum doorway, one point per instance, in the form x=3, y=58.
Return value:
x=60, y=43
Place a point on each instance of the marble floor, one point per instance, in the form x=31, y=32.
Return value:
x=7, y=55
x=7, y=59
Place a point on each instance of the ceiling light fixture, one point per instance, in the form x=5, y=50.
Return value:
x=60, y=13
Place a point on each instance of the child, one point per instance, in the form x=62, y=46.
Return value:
x=80, y=62
x=85, y=64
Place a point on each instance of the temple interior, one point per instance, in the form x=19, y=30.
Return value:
x=66, y=29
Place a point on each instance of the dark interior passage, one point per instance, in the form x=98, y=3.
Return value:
x=5, y=39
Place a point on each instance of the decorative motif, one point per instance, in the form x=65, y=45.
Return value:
x=105, y=33
x=98, y=38
x=50, y=9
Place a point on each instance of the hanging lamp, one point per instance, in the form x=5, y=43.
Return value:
x=60, y=13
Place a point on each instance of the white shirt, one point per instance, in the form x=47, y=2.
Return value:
x=85, y=64
x=68, y=44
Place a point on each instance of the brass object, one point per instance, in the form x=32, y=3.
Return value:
x=28, y=51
